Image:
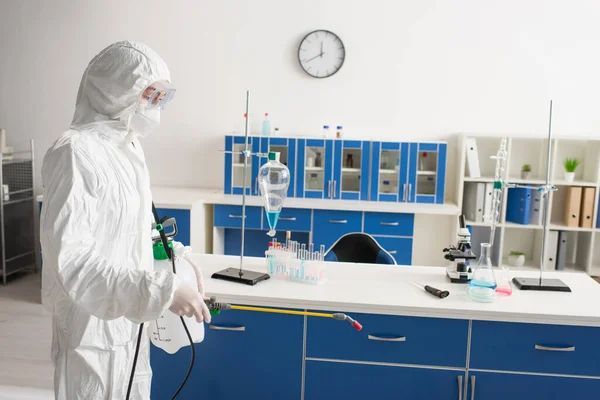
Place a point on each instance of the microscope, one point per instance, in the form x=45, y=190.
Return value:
x=460, y=272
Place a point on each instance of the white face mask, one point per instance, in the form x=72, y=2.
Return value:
x=145, y=120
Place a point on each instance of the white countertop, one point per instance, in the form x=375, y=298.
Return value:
x=185, y=198
x=389, y=290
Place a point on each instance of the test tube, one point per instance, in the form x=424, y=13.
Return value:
x=311, y=248
x=288, y=237
x=322, y=253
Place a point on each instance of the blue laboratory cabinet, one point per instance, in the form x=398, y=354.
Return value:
x=408, y=172
x=247, y=355
x=345, y=169
x=393, y=231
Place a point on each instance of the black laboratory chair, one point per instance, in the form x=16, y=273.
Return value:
x=359, y=248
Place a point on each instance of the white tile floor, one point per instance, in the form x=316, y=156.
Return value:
x=25, y=339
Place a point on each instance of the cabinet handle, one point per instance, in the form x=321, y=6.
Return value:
x=404, y=192
x=334, y=189
x=409, y=191
x=236, y=216
x=256, y=186
x=472, y=387
x=549, y=348
x=393, y=252
x=338, y=221
x=240, y=328
x=329, y=190
x=388, y=223
x=460, y=387
x=385, y=339
x=287, y=218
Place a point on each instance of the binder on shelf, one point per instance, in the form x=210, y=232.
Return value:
x=572, y=206
x=518, y=205
x=535, y=217
x=587, y=207
x=561, y=251
x=550, y=252
x=473, y=170
x=598, y=217
x=487, y=202
x=473, y=201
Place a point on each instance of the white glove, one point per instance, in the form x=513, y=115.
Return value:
x=183, y=252
x=187, y=301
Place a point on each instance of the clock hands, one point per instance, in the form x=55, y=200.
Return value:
x=317, y=56
x=321, y=49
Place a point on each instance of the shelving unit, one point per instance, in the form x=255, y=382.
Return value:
x=583, y=249
x=17, y=214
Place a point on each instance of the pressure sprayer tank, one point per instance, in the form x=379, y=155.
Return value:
x=167, y=332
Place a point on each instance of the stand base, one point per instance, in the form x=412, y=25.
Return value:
x=548, y=285
x=247, y=277
x=458, y=277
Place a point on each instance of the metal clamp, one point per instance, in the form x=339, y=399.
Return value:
x=472, y=387
x=237, y=216
x=338, y=221
x=549, y=348
x=386, y=339
x=389, y=223
x=460, y=387
x=227, y=328
x=287, y=218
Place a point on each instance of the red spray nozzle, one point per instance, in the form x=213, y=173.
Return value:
x=357, y=326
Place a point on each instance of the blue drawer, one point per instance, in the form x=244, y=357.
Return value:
x=399, y=248
x=572, y=350
x=392, y=339
x=329, y=225
x=292, y=219
x=391, y=224
x=227, y=216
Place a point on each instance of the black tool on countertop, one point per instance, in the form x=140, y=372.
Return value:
x=442, y=294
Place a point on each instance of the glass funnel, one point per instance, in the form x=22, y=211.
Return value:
x=482, y=287
x=273, y=181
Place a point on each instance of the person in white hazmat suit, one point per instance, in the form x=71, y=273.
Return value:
x=97, y=277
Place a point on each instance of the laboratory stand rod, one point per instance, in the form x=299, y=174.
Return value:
x=546, y=196
x=244, y=185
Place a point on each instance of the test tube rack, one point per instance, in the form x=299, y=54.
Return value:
x=292, y=261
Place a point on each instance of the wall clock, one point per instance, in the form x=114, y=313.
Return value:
x=321, y=54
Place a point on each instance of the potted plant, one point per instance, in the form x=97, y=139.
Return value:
x=570, y=165
x=516, y=259
x=525, y=171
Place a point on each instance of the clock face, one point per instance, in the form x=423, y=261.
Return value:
x=321, y=54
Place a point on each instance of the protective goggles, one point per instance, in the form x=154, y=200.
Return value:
x=157, y=95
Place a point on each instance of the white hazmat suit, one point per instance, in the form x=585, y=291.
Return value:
x=98, y=278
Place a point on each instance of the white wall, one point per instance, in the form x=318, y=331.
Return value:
x=414, y=69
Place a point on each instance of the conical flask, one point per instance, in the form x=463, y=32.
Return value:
x=273, y=181
x=482, y=287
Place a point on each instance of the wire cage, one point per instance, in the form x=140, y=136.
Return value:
x=17, y=213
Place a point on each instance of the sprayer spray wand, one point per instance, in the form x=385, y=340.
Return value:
x=216, y=308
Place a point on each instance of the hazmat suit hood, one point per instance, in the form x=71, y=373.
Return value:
x=113, y=82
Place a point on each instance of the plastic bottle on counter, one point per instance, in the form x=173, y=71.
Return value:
x=266, y=126
x=339, y=132
x=326, y=131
